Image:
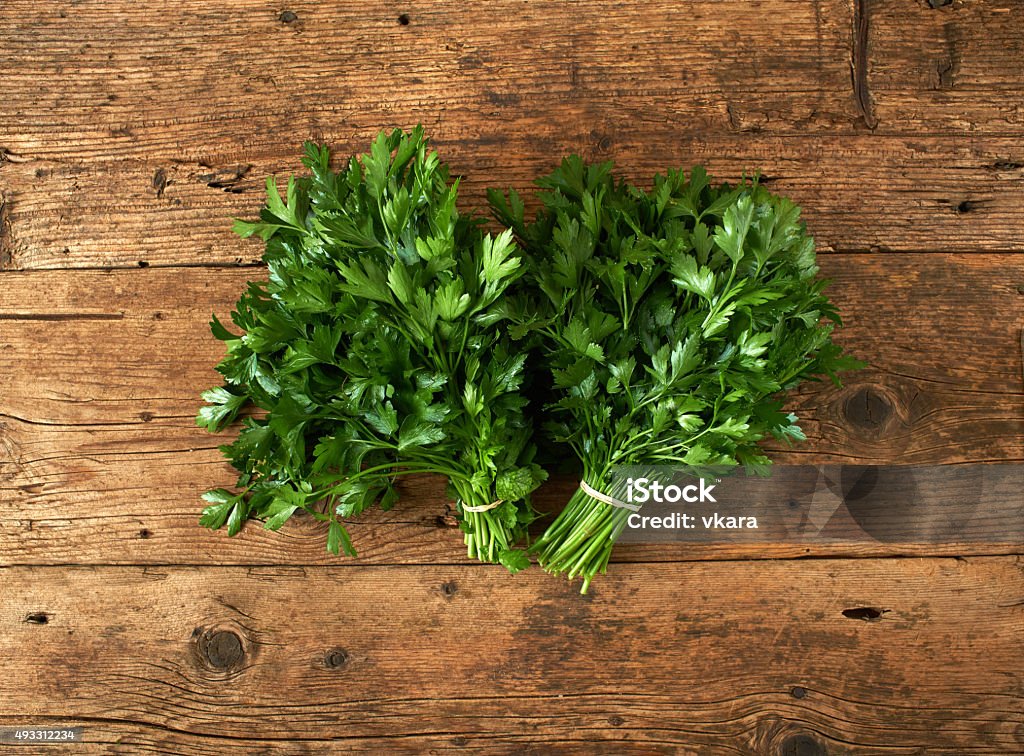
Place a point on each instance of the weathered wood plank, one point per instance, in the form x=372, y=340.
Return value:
x=859, y=193
x=129, y=134
x=94, y=347
x=99, y=79
x=655, y=659
x=953, y=68
x=140, y=505
x=102, y=80
x=100, y=461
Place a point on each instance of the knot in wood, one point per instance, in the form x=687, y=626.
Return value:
x=802, y=745
x=221, y=649
x=868, y=409
x=336, y=658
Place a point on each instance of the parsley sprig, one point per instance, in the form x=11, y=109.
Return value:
x=376, y=348
x=668, y=320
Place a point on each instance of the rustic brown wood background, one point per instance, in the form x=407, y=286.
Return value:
x=131, y=131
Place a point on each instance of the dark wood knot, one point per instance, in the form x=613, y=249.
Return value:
x=336, y=658
x=868, y=409
x=449, y=589
x=802, y=745
x=221, y=650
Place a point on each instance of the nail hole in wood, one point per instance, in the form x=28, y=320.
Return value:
x=287, y=17
x=449, y=589
x=145, y=533
x=404, y=19
x=445, y=521
x=798, y=692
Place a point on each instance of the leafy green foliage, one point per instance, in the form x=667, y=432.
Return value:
x=391, y=337
x=669, y=321
x=376, y=347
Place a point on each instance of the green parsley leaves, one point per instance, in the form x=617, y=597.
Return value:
x=375, y=349
x=393, y=336
x=668, y=320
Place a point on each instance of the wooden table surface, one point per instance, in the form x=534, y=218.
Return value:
x=130, y=132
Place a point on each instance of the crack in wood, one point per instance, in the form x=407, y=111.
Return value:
x=227, y=178
x=6, y=245
x=160, y=182
x=60, y=316
x=859, y=64
x=1005, y=165
x=6, y=156
x=948, y=68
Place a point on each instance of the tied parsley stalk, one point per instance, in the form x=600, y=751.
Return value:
x=668, y=320
x=376, y=348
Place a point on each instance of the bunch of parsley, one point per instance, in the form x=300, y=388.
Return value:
x=376, y=348
x=668, y=321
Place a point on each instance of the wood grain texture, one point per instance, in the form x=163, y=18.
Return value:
x=101, y=463
x=125, y=139
x=685, y=656
x=953, y=68
x=131, y=132
x=237, y=78
x=858, y=193
x=244, y=76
